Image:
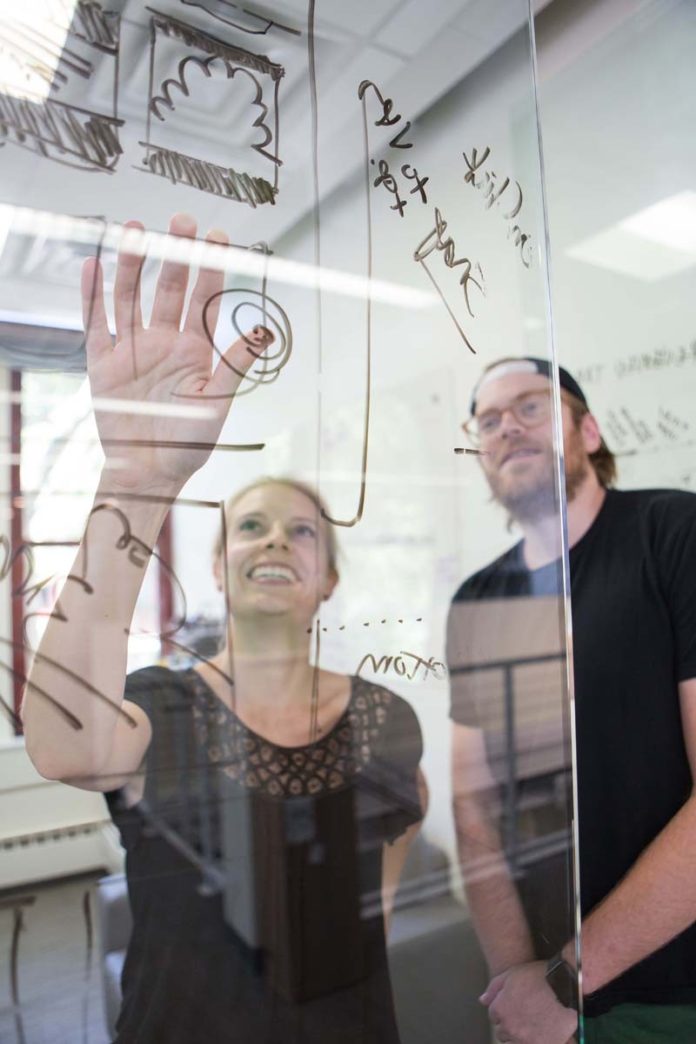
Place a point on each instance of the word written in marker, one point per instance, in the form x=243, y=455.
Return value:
x=387, y=119
x=386, y=178
x=437, y=242
x=492, y=189
x=403, y=669
x=670, y=424
x=656, y=359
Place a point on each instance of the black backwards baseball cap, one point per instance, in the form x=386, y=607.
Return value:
x=528, y=364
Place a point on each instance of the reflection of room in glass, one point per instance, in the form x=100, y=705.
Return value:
x=59, y=76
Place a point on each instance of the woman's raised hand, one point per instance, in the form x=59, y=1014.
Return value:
x=178, y=402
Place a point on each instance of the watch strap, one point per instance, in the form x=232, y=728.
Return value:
x=563, y=980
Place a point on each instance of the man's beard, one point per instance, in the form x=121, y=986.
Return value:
x=532, y=498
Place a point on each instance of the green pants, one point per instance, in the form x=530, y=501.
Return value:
x=643, y=1024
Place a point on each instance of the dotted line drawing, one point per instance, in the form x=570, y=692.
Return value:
x=324, y=630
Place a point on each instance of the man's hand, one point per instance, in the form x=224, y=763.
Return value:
x=524, y=1009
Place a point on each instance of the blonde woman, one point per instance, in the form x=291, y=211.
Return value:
x=265, y=804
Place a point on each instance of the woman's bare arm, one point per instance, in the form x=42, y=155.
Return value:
x=75, y=725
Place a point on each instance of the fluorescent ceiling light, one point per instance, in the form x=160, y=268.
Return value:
x=652, y=244
x=100, y=405
x=671, y=222
x=234, y=259
x=32, y=39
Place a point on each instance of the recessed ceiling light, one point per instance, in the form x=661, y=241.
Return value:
x=654, y=243
x=671, y=222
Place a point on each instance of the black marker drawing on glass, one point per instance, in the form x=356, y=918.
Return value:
x=347, y=522
x=492, y=189
x=617, y=430
x=240, y=17
x=40, y=101
x=386, y=118
x=632, y=435
x=270, y=341
x=625, y=426
x=667, y=428
x=16, y=904
x=435, y=241
x=203, y=71
x=386, y=178
x=263, y=340
x=316, y=219
x=668, y=447
x=385, y=175
x=219, y=447
x=136, y=553
x=668, y=419
x=656, y=359
x=589, y=374
x=402, y=668
x=367, y=623
x=66, y=714
x=637, y=425
x=224, y=447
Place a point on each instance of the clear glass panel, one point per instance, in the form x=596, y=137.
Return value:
x=292, y=851
x=617, y=90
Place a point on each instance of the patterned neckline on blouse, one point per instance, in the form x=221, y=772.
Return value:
x=326, y=764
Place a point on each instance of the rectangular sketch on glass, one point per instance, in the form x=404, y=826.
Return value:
x=195, y=75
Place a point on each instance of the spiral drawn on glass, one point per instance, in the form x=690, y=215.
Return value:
x=270, y=362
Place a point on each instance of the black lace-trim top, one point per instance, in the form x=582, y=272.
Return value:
x=375, y=745
x=326, y=764
x=255, y=870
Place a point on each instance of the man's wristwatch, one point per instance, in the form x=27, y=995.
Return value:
x=563, y=980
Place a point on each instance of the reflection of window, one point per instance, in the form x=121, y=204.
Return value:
x=59, y=76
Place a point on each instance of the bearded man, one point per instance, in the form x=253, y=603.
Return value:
x=632, y=572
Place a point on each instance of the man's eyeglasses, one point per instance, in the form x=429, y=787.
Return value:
x=528, y=410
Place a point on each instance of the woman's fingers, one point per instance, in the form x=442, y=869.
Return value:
x=236, y=361
x=204, y=306
x=173, y=278
x=131, y=258
x=97, y=336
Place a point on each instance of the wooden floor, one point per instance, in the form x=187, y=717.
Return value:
x=50, y=930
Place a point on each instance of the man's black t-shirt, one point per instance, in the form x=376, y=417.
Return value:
x=633, y=578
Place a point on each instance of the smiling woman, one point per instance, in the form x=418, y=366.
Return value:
x=265, y=804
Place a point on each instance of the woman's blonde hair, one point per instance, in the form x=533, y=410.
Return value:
x=300, y=487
